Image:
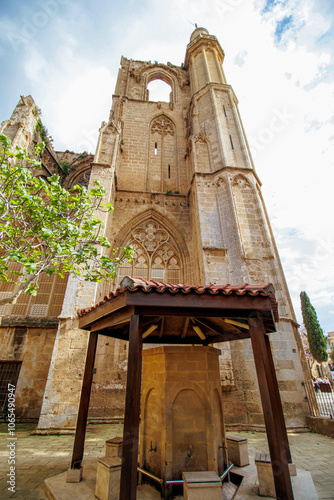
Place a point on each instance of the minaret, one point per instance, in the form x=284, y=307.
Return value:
x=233, y=239
x=234, y=232
x=209, y=89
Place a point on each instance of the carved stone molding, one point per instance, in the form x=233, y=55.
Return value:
x=163, y=71
x=201, y=138
x=150, y=235
x=163, y=126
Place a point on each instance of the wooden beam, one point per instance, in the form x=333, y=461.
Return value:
x=197, y=312
x=122, y=334
x=227, y=337
x=277, y=403
x=236, y=323
x=162, y=324
x=175, y=301
x=149, y=331
x=128, y=490
x=199, y=332
x=79, y=440
x=116, y=333
x=210, y=325
x=269, y=394
x=150, y=320
x=119, y=317
x=185, y=327
x=103, y=310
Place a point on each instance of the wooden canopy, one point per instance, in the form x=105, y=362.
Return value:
x=148, y=311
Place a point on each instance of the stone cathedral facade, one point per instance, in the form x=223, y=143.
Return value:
x=187, y=197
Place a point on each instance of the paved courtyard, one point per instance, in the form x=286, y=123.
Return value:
x=39, y=457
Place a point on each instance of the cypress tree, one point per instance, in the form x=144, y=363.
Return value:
x=316, y=339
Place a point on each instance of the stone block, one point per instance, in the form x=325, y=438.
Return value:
x=265, y=474
x=237, y=450
x=114, y=447
x=292, y=469
x=108, y=478
x=201, y=484
x=74, y=475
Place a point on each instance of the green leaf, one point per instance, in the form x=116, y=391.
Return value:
x=45, y=228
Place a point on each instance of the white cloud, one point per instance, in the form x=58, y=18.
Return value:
x=74, y=94
x=78, y=114
x=36, y=68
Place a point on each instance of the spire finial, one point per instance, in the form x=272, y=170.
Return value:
x=194, y=24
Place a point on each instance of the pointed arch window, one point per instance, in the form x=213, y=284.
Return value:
x=155, y=255
x=162, y=171
x=158, y=90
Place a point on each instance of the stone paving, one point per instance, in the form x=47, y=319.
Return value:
x=310, y=451
x=39, y=457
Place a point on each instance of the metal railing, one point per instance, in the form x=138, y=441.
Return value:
x=176, y=481
x=321, y=402
x=222, y=477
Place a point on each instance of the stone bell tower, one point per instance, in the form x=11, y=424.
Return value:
x=187, y=198
x=233, y=235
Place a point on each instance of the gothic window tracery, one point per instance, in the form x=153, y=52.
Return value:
x=163, y=126
x=83, y=180
x=154, y=257
x=162, y=172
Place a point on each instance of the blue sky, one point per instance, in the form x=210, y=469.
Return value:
x=279, y=60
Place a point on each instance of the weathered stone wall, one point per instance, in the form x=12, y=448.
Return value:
x=33, y=347
x=20, y=128
x=321, y=425
x=63, y=387
x=31, y=322
x=107, y=399
x=64, y=381
x=153, y=144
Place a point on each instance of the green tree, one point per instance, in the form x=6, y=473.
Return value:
x=45, y=228
x=316, y=339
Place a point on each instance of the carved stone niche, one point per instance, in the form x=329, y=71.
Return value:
x=182, y=426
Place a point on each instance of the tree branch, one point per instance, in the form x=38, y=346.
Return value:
x=22, y=288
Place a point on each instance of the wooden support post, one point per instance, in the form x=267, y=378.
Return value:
x=279, y=451
x=128, y=489
x=79, y=441
x=277, y=403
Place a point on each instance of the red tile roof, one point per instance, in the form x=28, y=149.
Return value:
x=140, y=285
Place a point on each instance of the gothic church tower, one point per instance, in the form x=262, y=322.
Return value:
x=187, y=198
